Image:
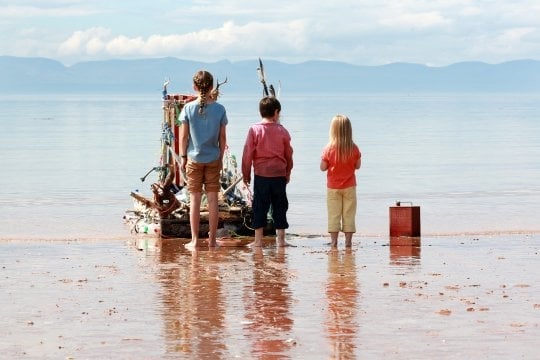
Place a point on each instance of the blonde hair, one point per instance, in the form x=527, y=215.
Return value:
x=341, y=137
x=204, y=81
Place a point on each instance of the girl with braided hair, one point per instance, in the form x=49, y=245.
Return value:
x=203, y=141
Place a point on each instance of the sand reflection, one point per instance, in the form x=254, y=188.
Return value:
x=342, y=296
x=267, y=300
x=193, y=303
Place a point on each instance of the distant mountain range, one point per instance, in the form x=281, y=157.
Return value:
x=20, y=75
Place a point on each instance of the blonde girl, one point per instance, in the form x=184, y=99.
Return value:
x=341, y=157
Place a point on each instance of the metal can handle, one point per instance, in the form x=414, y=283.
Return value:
x=398, y=203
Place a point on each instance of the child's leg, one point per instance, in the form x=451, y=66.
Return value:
x=281, y=238
x=348, y=239
x=260, y=205
x=258, y=237
x=280, y=205
x=334, y=204
x=194, y=175
x=333, y=239
x=349, y=214
x=212, y=187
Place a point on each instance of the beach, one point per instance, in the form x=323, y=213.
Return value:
x=468, y=297
x=76, y=284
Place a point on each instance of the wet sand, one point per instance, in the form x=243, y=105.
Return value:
x=470, y=297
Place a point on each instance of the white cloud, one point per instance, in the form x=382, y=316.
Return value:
x=437, y=32
x=78, y=42
x=125, y=46
x=94, y=46
x=220, y=42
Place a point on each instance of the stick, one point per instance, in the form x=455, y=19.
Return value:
x=227, y=190
x=179, y=162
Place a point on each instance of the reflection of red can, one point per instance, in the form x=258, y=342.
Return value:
x=404, y=241
x=404, y=220
x=400, y=250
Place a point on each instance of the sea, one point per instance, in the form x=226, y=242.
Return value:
x=470, y=161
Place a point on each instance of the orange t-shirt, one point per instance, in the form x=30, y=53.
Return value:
x=340, y=175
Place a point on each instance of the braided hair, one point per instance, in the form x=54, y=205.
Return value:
x=204, y=81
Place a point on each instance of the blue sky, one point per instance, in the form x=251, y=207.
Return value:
x=362, y=32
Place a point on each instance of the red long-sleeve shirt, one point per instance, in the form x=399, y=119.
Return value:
x=268, y=149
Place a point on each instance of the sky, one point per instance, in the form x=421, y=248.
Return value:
x=360, y=32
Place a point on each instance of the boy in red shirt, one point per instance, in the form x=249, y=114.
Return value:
x=268, y=150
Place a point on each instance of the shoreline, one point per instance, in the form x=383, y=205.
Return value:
x=291, y=235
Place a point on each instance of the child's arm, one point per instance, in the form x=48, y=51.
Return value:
x=222, y=141
x=247, y=158
x=184, y=139
x=359, y=161
x=289, y=157
x=324, y=165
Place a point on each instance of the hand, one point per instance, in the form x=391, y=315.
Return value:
x=183, y=163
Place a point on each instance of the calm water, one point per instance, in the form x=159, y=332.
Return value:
x=471, y=161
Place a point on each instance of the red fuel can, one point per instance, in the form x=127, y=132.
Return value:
x=404, y=220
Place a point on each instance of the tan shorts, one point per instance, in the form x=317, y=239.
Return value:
x=207, y=174
x=341, y=205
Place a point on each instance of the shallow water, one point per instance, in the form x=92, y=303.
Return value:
x=69, y=162
x=452, y=298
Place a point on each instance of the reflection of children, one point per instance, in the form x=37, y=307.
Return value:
x=202, y=144
x=268, y=306
x=268, y=149
x=341, y=157
x=342, y=290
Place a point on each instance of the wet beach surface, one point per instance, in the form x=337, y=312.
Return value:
x=453, y=298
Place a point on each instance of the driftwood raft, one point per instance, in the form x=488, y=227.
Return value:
x=165, y=213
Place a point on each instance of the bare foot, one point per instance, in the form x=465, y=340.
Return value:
x=285, y=244
x=192, y=244
x=256, y=244
x=348, y=240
